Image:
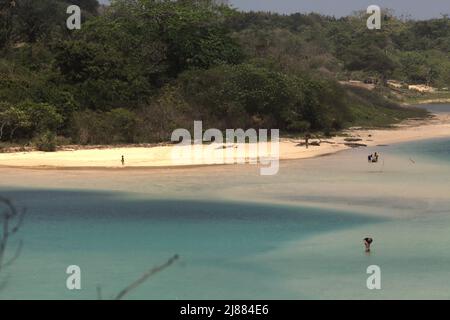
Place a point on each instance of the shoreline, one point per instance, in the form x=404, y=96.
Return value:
x=159, y=156
x=428, y=101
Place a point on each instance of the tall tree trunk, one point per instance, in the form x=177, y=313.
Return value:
x=11, y=134
x=1, y=130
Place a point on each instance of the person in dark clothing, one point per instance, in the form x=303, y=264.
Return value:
x=307, y=137
x=367, y=243
x=123, y=160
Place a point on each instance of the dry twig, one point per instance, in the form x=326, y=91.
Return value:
x=12, y=220
x=145, y=276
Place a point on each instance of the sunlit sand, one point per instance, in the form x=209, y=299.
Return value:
x=162, y=156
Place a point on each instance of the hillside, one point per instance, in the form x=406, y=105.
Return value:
x=137, y=70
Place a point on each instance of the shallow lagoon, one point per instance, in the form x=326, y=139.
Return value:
x=297, y=235
x=114, y=239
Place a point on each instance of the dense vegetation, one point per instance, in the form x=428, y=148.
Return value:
x=141, y=68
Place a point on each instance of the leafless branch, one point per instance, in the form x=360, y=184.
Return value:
x=145, y=276
x=12, y=220
x=15, y=256
x=99, y=293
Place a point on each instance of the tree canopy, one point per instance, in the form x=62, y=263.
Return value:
x=138, y=69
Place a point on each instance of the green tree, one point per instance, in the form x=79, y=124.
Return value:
x=122, y=123
x=12, y=118
x=36, y=19
x=43, y=117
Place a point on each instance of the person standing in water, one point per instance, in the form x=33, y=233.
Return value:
x=367, y=243
x=123, y=160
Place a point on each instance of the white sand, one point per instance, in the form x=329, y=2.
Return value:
x=164, y=156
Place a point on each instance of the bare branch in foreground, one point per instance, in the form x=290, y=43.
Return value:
x=99, y=293
x=145, y=276
x=12, y=220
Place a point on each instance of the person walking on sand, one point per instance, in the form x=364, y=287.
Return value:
x=123, y=160
x=307, y=136
x=367, y=243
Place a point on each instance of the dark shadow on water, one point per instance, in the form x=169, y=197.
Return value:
x=80, y=205
x=62, y=212
x=116, y=236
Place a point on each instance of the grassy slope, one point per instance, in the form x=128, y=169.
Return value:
x=372, y=109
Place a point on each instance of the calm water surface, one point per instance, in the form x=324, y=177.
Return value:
x=241, y=237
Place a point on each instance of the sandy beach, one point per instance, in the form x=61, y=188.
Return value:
x=287, y=229
x=164, y=156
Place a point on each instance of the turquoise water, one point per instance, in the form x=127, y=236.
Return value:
x=435, y=108
x=114, y=239
x=233, y=249
x=436, y=149
x=433, y=150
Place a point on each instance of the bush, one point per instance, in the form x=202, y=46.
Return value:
x=115, y=126
x=88, y=127
x=46, y=142
x=63, y=141
x=121, y=124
